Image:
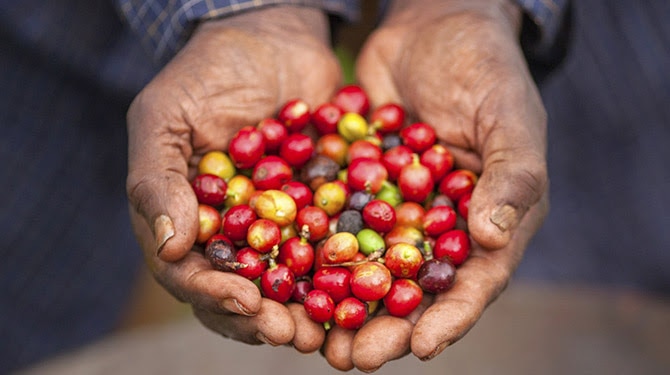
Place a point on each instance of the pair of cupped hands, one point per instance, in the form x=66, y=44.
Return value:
x=456, y=65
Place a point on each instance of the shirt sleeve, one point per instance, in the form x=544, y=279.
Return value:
x=548, y=16
x=165, y=25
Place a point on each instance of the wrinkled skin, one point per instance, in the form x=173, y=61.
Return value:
x=454, y=64
x=232, y=72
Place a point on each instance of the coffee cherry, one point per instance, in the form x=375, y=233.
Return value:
x=379, y=216
x=390, y=193
x=457, y=183
x=340, y=247
x=415, y=182
x=370, y=281
x=319, y=170
x=263, y=235
x=274, y=133
x=352, y=98
x=390, y=140
x=388, y=118
x=297, y=149
x=253, y=263
x=301, y=193
x=454, y=245
x=350, y=221
x=209, y=189
x=350, y=313
x=352, y=127
x=464, y=205
x=240, y=189
x=313, y=220
x=366, y=175
x=331, y=197
x=403, y=234
x=334, y=146
x=403, y=260
x=370, y=242
x=441, y=200
x=410, y=214
x=395, y=159
x=439, y=220
x=209, y=220
x=271, y=172
x=277, y=206
x=419, y=137
x=247, y=147
x=363, y=149
x=278, y=282
x=298, y=255
x=436, y=275
x=295, y=115
x=438, y=160
x=319, y=306
x=359, y=199
x=325, y=118
x=333, y=280
x=236, y=222
x=217, y=163
x=404, y=297
x=221, y=254
x=302, y=288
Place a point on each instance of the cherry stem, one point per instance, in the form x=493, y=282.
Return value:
x=304, y=233
x=374, y=256
x=272, y=256
x=427, y=251
x=236, y=265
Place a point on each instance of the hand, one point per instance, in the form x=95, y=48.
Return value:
x=458, y=66
x=233, y=72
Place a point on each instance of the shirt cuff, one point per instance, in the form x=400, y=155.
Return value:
x=548, y=16
x=165, y=25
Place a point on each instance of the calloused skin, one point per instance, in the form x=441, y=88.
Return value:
x=457, y=65
x=232, y=72
x=454, y=64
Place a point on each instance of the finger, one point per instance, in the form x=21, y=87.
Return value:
x=193, y=280
x=380, y=340
x=385, y=338
x=479, y=281
x=157, y=187
x=373, y=72
x=309, y=335
x=338, y=346
x=514, y=175
x=272, y=325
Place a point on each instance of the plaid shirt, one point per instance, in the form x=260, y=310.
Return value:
x=164, y=25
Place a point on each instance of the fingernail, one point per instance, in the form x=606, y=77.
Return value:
x=232, y=305
x=504, y=217
x=163, y=230
x=437, y=351
x=261, y=337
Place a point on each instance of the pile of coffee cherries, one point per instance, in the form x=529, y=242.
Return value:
x=338, y=207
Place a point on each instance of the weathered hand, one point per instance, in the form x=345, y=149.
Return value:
x=232, y=72
x=458, y=66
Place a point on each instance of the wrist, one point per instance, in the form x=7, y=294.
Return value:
x=418, y=12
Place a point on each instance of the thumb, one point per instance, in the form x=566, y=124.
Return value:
x=514, y=171
x=157, y=183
